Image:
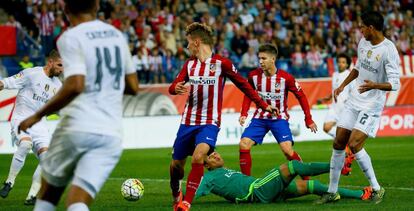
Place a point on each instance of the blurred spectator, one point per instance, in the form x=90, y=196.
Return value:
x=141, y=65
x=298, y=63
x=169, y=66
x=249, y=61
x=46, y=25
x=155, y=67
x=315, y=62
x=11, y=21
x=25, y=62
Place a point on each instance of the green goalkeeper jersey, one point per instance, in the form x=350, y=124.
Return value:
x=230, y=184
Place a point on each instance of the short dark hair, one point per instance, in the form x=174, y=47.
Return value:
x=269, y=48
x=202, y=31
x=344, y=55
x=80, y=6
x=53, y=54
x=373, y=18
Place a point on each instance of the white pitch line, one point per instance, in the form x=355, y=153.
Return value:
x=167, y=180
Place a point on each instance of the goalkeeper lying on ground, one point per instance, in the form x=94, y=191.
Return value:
x=275, y=185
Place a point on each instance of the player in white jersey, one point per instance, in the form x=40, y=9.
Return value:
x=36, y=86
x=86, y=144
x=376, y=72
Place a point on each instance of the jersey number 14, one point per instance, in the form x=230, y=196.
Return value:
x=105, y=58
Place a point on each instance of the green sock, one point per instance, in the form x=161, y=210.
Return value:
x=307, y=169
x=316, y=187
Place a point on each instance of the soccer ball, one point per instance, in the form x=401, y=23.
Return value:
x=132, y=189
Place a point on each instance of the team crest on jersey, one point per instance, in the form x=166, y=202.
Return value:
x=213, y=68
x=47, y=87
x=54, y=91
x=377, y=57
x=277, y=86
x=369, y=54
x=18, y=75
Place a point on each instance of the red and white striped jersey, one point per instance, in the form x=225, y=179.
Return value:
x=207, y=81
x=274, y=90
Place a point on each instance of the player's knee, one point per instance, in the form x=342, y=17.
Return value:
x=355, y=146
x=25, y=146
x=245, y=144
x=326, y=128
x=302, y=186
x=198, y=157
x=177, y=164
x=339, y=143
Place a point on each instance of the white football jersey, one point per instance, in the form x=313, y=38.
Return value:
x=35, y=90
x=378, y=63
x=337, y=79
x=99, y=52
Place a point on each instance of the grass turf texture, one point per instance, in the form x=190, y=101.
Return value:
x=392, y=159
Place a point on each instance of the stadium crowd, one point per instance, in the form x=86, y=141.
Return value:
x=305, y=31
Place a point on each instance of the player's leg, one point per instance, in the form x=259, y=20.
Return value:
x=303, y=187
x=330, y=128
x=293, y=168
x=48, y=196
x=100, y=155
x=176, y=175
x=24, y=145
x=206, y=139
x=367, y=125
x=253, y=134
x=281, y=131
x=36, y=179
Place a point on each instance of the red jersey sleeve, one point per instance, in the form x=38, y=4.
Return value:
x=182, y=76
x=230, y=71
x=295, y=88
x=246, y=100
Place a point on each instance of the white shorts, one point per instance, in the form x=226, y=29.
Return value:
x=367, y=121
x=38, y=133
x=86, y=158
x=332, y=116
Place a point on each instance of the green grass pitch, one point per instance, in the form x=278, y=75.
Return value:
x=392, y=158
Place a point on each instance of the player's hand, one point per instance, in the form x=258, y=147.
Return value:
x=313, y=127
x=368, y=85
x=242, y=120
x=28, y=123
x=273, y=110
x=338, y=91
x=180, y=89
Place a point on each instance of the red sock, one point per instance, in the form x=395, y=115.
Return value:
x=295, y=156
x=193, y=181
x=176, y=174
x=245, y=161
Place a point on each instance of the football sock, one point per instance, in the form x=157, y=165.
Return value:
x=193, y=181
x=245, y=161
x=295, y=156
x=176, y=174
x=78, y=207
x=307, y=169
x=337, y=162
x=316, y=187
x=18, y=160
x=42, y=205
x=364, y=162
x=35, y=183
x=332, y=131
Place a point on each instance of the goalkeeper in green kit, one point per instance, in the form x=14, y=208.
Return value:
x=275, y=185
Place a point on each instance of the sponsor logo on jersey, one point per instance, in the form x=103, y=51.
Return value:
x=270, y=96
x=202, y=80
x=47, y=87
x=18, y=75
x=377, y=57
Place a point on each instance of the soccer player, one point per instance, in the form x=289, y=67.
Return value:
x=206, y=73
x=376, y=72
x=329, y=126
x=276, y=185
x=86, y=144
x=273, y=86
x=36, y=86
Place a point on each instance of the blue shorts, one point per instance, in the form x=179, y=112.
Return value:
x=189, y=136
x=258, y=128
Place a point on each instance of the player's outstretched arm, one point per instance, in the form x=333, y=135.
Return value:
x=72, y=87
x=131, y=84
x=352, y=75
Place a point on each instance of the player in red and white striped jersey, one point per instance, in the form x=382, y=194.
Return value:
x=273, y=86
x=206, y=73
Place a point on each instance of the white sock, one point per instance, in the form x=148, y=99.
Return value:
x=18, y=160
x=42, y=205
x=337, y=162
x=78, y=207
x=332, y=131
x=364, y=162
x=36, y=181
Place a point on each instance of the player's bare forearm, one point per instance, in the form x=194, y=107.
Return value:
x=352, y=75
x=131, y=84
x=369, y=85
x=383, y=86
x=72, y=87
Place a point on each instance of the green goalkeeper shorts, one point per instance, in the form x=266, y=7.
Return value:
x=269, y=187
